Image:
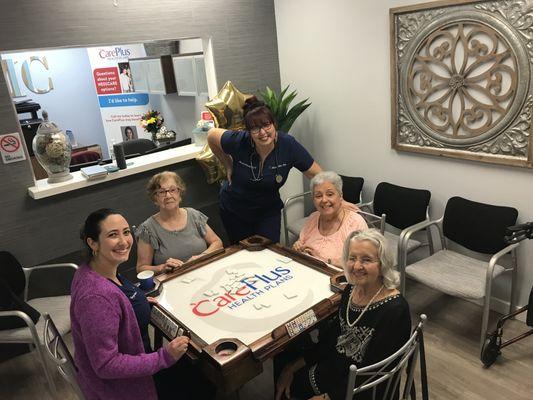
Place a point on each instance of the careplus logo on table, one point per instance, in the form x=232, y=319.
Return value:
x=252, y=288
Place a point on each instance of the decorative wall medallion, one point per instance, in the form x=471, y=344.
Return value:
x=461, y=80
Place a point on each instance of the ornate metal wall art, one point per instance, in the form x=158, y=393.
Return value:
x=461, y=80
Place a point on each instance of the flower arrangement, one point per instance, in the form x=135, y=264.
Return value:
x=152, y=121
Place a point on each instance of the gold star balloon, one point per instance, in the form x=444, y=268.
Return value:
x=226, y=109
x=213, y=168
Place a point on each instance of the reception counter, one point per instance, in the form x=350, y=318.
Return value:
x=43, y=189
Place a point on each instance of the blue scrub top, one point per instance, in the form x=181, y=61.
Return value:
x=253, y=195
x=141, y=307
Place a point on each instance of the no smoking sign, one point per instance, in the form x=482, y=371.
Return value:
x=11, y=148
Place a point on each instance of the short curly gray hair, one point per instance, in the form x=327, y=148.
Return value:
x=391, y=277
x=326, y=176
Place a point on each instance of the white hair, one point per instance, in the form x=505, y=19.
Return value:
x=326, y=176
x=391, y=277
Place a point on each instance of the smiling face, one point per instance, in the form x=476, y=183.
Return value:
x=327, y=199
x=168, y=196
x=114, y=241
x=263, y=133
x=363, y=267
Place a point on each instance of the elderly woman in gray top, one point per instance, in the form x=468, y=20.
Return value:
x=174, y=235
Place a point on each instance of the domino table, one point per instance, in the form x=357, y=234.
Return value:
x=244, y=304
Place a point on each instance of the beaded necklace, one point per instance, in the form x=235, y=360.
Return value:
x=351, y=324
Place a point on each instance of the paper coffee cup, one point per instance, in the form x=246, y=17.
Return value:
x=146, y=279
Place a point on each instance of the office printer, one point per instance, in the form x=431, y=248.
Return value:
x=29, y=125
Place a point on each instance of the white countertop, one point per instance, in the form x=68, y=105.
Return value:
x=144, y=163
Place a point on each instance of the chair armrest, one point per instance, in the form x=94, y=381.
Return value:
x=28, y=270
x=492, y=263
x=494, y=259
x=368, y=206
x=373, y=220
x=290, y=199
x=46, y=266
x=17, y=313
x=406, y=234
x=27, y=320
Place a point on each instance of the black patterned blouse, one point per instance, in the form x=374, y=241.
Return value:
x=381, y=331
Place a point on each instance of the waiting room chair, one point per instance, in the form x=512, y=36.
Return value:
x=58, y=352
x=352, y=188
x=477, y=227
x=85, y=156
x=403, y=207
x=137, y=146
x=383, y=379
x=17, y=279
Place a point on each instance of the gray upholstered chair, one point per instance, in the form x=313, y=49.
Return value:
x=57, y=351
x=26, y=331
x=403, y=207
x=477, y=227
x=352, y=188
x=383, y=380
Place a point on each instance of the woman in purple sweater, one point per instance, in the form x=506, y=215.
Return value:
x=109, y=350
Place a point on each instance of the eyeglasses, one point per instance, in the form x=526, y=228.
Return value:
x=364, y=261
x=256, y=129
x=163, y=192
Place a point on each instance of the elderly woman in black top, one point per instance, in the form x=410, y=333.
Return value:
x=373, y=322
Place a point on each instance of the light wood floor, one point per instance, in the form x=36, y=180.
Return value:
x=454, y=369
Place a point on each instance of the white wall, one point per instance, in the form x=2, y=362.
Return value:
x=337, y=53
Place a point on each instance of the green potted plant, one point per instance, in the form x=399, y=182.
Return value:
x=280, y=106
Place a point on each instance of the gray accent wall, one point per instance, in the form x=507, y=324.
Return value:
x=245, y=51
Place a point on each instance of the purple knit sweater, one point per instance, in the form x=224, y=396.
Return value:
x=108, y=348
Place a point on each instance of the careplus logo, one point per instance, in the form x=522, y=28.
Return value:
x=117, y=52
x=252, y=288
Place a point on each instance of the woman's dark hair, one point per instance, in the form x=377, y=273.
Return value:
x=256, y=113
x=91, y=227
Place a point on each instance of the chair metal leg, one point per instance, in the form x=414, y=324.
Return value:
x=514, y=278
x=49, y=377
x=285, y=229
x=430, y=241
x=485, y=319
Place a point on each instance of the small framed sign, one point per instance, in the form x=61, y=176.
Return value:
x=11, y=148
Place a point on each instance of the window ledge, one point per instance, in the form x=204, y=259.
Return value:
x=144, y=163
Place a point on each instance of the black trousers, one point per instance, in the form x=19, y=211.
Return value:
x=183, y=381
x=238, y=228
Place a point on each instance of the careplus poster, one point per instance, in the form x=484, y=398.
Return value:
x=121, y=107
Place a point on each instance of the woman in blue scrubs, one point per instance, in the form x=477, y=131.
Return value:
x=257, y=161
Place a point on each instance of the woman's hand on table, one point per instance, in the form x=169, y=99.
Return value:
x=196, y=256
x=178, y=347
x=298, y=246
x=283, y=385
x=152, y=300
x=170, y=265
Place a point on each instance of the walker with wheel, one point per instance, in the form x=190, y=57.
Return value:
x=493, y=342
